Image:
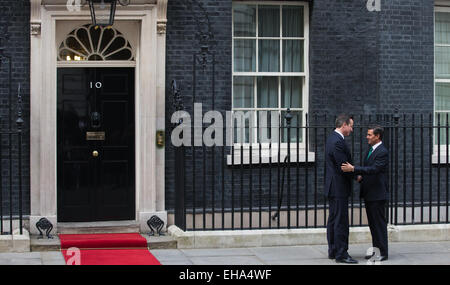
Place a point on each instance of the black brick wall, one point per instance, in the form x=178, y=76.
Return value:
x=378, y=61
x=15, y=15
x=407, y=55
x=343, y=57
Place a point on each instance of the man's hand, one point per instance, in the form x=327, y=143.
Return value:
x=347, y=167
x=359, y=178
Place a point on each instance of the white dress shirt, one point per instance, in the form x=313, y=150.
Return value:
x=339, y=133
x=375, y=146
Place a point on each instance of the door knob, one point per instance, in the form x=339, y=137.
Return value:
x=95, y=153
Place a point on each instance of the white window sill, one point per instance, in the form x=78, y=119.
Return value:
x=267, y=158
x=442, y=158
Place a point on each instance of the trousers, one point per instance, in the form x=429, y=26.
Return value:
x=338, y=228
x=376, y=216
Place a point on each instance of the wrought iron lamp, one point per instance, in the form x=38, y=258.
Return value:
x=103, y=11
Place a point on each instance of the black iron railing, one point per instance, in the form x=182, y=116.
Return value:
x=270, y=186
x=11, y=137
x=11, y=186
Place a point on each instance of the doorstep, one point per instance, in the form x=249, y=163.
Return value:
x=54, y=244
x=98, y=227
x=160, y=242
x=45, y=244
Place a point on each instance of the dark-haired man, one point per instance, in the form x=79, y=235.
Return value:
x=374, y=188
x=338, y=189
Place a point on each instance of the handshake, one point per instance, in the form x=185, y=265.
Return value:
x=347, y=167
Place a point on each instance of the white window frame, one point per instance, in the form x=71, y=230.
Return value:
x=275, y=147
x=436, y=157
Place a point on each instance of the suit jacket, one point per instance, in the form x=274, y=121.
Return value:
x=337, y=182
x=375, y=183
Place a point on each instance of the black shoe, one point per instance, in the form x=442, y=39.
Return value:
x=348, y=260
x=331, y=256
x=369, y=256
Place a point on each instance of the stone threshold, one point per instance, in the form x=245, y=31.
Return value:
x=54, y=244
x=98, y=227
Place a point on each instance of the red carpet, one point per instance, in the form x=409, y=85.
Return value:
x=106, y=249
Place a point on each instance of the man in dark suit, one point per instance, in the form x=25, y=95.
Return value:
x=374, y=188
x=338, y=189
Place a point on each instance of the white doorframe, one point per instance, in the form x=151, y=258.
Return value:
x=149, y=102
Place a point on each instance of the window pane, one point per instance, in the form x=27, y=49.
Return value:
x=291, y=92
x=67, y=55
x=269, y=55
x=243, y=92
x=442, y=99
x=245, y=55
x=269, y=21
x=244, y=17
x=83, y=36
x=295, y=121
x=72, y=43
x=441, y=135
x=293, y=55
x=242, y=120
x=442, y=62
x=267, y=92
x=293, y=21
x=268, y=126
x=442, y=28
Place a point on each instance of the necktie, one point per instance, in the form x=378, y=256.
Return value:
x=370, y=152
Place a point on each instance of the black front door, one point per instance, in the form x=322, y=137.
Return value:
x=96, y=170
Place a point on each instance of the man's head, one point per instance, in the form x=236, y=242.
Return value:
x=344, y=123
x=374, y=135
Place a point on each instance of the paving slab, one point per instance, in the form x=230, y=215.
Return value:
x=52, y=258
x=53, y=263
x=218, y=252
x=428, y=259
x=417, y=247
x=303, y=262
x=176, y=262
x=446, y=244
x=230, y=260
x=168, y=254
x=20, y=255
x=357, y=251
x=21, y=261
x=286, y=253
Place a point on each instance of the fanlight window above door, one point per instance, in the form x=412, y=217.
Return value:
x=91, y=43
